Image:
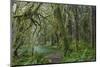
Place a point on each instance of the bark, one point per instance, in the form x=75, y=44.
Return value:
x=77, y=27
x=59, y=19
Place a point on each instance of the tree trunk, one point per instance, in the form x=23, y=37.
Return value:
x=59, y=19
x=77, y=27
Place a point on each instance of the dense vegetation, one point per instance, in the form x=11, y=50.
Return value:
x=52, y=33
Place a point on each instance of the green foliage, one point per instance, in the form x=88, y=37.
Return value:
x=83, y=54
x=52, y=33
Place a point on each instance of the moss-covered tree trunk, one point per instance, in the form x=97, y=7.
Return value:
x=59, y=19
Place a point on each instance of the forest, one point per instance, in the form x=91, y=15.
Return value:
x=49, y=33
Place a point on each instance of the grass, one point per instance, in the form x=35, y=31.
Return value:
x=84, y=53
